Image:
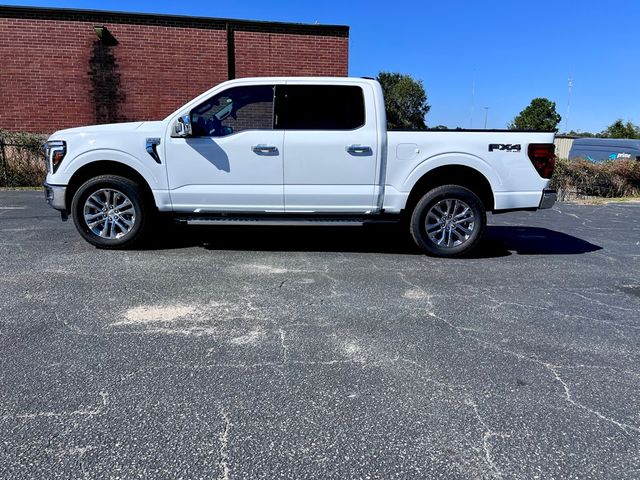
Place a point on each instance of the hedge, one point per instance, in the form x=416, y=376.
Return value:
x=613, y=178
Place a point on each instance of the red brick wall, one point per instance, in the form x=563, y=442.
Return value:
x=259, y=54
x=31, y=98
x=45, y=83
x=159, y=72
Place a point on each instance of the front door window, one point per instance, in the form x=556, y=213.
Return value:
x=233, y=111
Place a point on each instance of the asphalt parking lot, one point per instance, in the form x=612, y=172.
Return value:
x=321, y=353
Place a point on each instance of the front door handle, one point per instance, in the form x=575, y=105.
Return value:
x=265, y=149
x=359, y=150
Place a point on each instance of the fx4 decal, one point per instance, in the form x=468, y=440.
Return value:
x=505, y=147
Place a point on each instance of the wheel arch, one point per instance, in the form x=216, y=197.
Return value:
x=456, y=174
x=106, y=167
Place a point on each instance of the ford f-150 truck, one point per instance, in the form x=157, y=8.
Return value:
x=302, y=151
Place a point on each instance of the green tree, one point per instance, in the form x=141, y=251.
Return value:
x=539, y=115
x=405, y=101
x=619, y=129
x=581, y=134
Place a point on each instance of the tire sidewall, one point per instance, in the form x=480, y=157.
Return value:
x=128, y=188
x=418, y=227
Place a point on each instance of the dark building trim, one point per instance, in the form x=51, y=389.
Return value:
x=179, y=21
x=231, y=52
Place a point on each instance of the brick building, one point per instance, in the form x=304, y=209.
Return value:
x=61, y=68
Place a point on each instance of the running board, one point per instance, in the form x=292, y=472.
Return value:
x=282, y=222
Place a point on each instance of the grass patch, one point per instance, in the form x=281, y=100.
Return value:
x=604, y=201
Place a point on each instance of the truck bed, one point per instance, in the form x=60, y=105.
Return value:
x=500, y=155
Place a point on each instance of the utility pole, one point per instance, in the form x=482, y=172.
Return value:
x=566, y=119
x=486, y=114
x=473, y=101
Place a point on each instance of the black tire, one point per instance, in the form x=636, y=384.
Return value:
x=458, y=244
x=142, y=208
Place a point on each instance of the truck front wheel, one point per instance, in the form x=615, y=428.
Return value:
x=111, y=212
x=448, y=221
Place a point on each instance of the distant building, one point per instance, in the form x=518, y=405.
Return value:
x=563, y=145
x=63, y=68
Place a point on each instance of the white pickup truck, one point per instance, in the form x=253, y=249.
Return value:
x=302, y=151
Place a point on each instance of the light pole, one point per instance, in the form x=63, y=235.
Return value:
x=486, y=114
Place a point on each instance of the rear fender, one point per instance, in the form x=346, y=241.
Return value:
x=451, y=159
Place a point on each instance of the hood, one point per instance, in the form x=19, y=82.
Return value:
x=109, y=128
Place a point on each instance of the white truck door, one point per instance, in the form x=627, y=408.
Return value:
x=331, y=147
x=234, y=160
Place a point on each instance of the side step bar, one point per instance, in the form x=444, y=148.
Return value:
x=284, y=222
x=291, y=220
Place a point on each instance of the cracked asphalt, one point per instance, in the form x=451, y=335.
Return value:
x=321, y=353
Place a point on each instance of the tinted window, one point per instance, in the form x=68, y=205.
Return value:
x=234, y=110
x=322, y=107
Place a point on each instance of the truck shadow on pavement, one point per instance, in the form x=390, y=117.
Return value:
x=531, y=241
x=499, y=241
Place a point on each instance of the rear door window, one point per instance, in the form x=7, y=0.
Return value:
x=321, y=107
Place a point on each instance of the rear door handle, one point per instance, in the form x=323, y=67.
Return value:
x=265, y=149
x=359, y=150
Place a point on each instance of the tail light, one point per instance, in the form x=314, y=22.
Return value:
x=543, y=158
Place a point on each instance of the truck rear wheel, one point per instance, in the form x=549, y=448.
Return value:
x=111, y=212
x=448, y=221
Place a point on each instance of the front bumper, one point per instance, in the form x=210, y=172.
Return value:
x=549, y=198
x=56, y=196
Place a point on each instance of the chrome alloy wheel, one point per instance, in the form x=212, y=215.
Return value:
x=109, y=214
x=450, y=222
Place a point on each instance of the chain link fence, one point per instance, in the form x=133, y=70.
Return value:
x=22, y=162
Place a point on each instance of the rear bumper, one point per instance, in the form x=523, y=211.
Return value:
x=56, y=195
x=549, y=198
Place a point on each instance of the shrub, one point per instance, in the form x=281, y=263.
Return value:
x=614, y=178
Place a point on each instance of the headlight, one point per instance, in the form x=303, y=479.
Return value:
x=54, y=151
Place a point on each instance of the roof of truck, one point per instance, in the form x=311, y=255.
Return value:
x=607, y=142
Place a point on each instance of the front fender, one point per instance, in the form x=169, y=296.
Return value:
x=452, y=159
x=154, y=177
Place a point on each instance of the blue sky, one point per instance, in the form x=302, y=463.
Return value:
x=507, y=52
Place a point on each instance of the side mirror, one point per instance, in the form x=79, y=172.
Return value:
x=182, y=127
